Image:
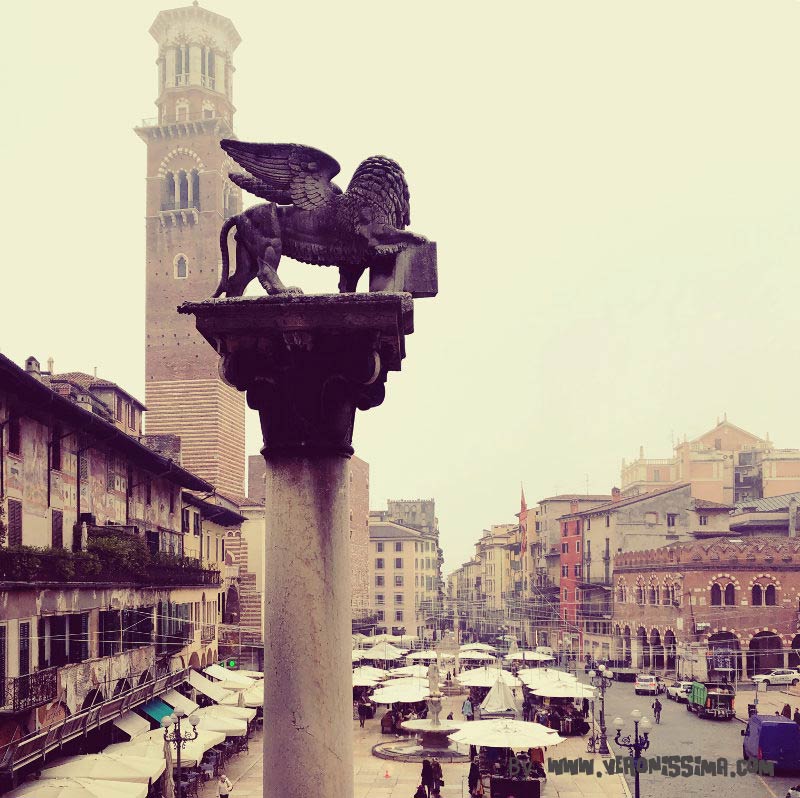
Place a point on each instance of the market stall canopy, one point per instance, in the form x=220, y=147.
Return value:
x=557, y=690
x=478, y=647
x=358, y=656
x=481, y=656
x=403, y=694
x=487, y=677
x=368, y=672
x=132, y=724
x=78, y=788
x=156, y=709
x=209, y=688
x=536, y=676
x=421, y=655
x=252, y=674
x=362, y=680
x=418, y=671
x=529, y=656
x=506, y=733
x=107, y=767
x=211, y=720
x=230, y=680
x=152, y=745
x=243, y=713
x=174, y=698
x=383, y=651
x=254, y=697
x=386, y=638
x=499, y=699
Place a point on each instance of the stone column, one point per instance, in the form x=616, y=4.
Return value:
x=307, y=363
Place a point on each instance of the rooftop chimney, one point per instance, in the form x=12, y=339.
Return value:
x=50, y=364
x=615, y=494
x=32, y=367
x=793, y=517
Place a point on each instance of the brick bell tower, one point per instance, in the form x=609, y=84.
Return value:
x=188, y=198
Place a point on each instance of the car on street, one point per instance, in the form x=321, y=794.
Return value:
x=678, y=691
x=778, y=676
x=647, y=684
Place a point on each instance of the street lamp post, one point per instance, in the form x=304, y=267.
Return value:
x=179, y=738
x=636, y=743
x=601, y=678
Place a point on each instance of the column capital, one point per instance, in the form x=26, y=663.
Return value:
x=307, y=362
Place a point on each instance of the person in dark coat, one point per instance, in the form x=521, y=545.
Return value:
x=436, y=769
x=427, y=776
x=797, y=716
x=474, y=776
x=585, y=708
x=787, y=711
x=420, y=793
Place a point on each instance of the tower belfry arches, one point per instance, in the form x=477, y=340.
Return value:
x=188, y=197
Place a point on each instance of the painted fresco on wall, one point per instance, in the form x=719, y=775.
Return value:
x=34, y=468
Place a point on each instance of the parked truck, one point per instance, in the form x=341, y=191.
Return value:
x=711, y=700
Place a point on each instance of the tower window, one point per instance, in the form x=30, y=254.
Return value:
x=183, y=190
x=181, y=267
x=169, y=192
x=195, y=189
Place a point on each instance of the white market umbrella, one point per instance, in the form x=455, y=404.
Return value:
x=475, y=656
x=78, y=788
x=478, y=647
x=529, y=656
x=556, y=690
x=533, y=677
x=360, y=680
x=107, y=767
x=506, y=733
x=230, y=727
x=419, y=671
x=499, y=699
x=383, y=651
x=252, y=674
x=487, y=677
x=404, y=694
x=368, y=672
x=358, y=656
x=421, y=655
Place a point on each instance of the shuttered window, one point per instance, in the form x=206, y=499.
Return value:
x=14, y=522
x=24, y=648
x=58, y=529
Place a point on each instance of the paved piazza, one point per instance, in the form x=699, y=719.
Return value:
x=380, y=778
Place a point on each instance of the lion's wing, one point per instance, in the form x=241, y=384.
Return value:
x=285, y=173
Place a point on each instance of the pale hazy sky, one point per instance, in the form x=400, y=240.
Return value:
x=613, y=186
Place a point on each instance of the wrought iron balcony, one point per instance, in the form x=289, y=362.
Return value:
x=19, y=693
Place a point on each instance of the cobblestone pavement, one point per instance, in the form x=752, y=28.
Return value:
x=380, y=778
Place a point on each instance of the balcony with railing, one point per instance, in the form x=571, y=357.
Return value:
x=176, y=634
x=123, y=561
x=19, y=693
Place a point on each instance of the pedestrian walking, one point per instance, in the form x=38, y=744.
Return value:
x=797, y=716
x=585, y=708
x=474, y=777
x=657, y=707
x=466, y=709
x=787, y=711
x=224, y=786
x=427, y=777
x=436, y=767
x=363, y=711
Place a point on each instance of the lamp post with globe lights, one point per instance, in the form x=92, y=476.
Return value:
x=601, y=679
x=636, y=743
x=179, y=738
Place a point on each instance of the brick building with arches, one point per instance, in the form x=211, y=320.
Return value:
x=713, y=608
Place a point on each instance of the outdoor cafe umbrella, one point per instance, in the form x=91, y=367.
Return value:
x=78, y=788
x=230, y=727
x=478, y=647
x=383, y=651
x=242, y=713
x=229, y=680
x=420, y=671
x=252, y=697
x=401, y=694
x=487, y=677
x=368, y=672
x=529, y=656
x=556, y=690
x=364, y=680
x=426, y=655
x=506, y=733
x=533, y=677
x=499, y=699
x=106, y=767
x=358, y=656
x=477, y=656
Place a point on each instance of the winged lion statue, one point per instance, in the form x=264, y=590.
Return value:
x=309, y=218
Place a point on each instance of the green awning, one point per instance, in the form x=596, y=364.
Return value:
x=156, y=709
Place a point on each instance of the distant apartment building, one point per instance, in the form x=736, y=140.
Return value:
x=592, y=538
x=726, y=465
x=405, y=577
x=110, y=567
